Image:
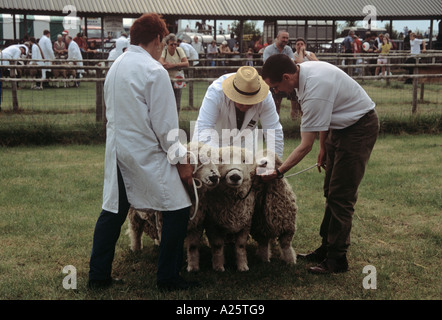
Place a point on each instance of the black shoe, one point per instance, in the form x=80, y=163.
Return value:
x=179, y=284
x=103, y=284
x=330, y=266
x=316, y=256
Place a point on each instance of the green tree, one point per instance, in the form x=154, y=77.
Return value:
x=249, y=27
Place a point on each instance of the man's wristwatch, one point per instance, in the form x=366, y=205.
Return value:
x=279, y=175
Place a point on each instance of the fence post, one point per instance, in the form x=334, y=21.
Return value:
x=14, y=92
x=190, y=74
x=421, y=100
x=99, y=97
x=415, y=87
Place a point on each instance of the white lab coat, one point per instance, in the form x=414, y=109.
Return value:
x=219, y=112
x=48, y=53
x=11, y=52
x=74, y=53
x=121, y=43
x=36, y=55
x=141, y=111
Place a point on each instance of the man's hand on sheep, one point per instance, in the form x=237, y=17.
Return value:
x=186, y=171
x=266, y=175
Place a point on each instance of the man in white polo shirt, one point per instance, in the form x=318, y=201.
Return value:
x=337, y=107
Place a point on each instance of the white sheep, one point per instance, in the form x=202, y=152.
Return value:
x=275, y=212
x=229, y=207
x=150, y=221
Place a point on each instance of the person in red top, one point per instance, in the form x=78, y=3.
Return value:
x=81, y=41
x=357, y=49
x=356, y=44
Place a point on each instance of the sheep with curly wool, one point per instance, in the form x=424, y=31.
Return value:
x=149, y=221
x=275, y=212
x=229, y=207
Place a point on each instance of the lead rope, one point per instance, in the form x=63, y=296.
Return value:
x=194, y=180
x=299, y=172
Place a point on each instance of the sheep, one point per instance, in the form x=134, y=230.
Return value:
x=209, y=177
x=275, y=213
x=150, y=221
x=63, y=73
x=229, y=208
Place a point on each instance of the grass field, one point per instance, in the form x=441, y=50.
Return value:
x=51, y=197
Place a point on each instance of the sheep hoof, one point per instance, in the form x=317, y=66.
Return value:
x=193, y=268
x=243, y=268
x=289, y=256
x=219, y=269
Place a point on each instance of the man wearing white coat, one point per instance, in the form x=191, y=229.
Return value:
x=74, y=53
x=141, y=111
x=237, y=102
x=48, y=53
x=120, y=44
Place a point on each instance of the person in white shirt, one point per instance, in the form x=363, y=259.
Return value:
x=415, y=44
x=36, y=60
x=301, y=54
x=74, y=53
x=415, y=50
x=120, y=45
x=11, y=52
x=212, y=53
x=338, y=108
x=15, y=51
x=197, y=45
x=48, y=53
x=238, y=108
x=140, y=112
x=190, y=51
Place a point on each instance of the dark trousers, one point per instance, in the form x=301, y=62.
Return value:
x=173, y=233
x=348, y=151
x=107, y=232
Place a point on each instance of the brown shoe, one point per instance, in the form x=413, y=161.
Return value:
x=316, y=256
x=329, y=266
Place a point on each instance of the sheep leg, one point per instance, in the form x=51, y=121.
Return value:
x=217, y=245
x=241, y=252
x=287, y=252
x=193, y=250
x=135, y=234
x=263, y=250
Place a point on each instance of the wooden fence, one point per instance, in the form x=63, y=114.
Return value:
x=426, y=69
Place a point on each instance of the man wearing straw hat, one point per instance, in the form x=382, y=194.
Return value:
x=237, y=102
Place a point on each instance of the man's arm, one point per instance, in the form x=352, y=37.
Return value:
x=307, y=140
x=322, y=156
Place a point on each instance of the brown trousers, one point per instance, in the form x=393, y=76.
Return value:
x=348, y=151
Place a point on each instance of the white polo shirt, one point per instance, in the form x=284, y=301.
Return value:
x=329, y=98
x=415, y=46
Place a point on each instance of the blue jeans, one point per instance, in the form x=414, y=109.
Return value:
x=107, y=232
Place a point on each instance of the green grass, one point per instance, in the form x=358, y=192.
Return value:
x=51, y=197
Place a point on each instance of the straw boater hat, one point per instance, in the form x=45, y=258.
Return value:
x=245, y=86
